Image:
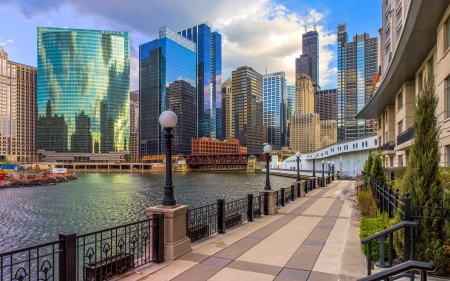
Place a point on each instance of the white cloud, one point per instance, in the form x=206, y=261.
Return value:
x=10, y=41
x=2, y=43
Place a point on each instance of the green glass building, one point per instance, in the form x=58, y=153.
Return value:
x=83, y=90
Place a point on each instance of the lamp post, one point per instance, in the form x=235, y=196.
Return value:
x=267, y=150
x=314, y=165
x=168, y=121
x=323, y=173
x=329, y=166
x=332, y=168
x=297, y=154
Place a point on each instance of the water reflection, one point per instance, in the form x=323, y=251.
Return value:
x=32, y=215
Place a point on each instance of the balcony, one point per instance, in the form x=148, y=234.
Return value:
x=390, y=145
x=405, y=136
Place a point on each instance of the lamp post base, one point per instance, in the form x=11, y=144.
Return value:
x=272, y=207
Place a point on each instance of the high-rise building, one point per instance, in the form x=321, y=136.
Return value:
x=18, y=86
x=357, y=62
x=182, y=101
x=134, y=147
x=162, y=61
x=304, y=95
x=308, y=63
x=227, y=107
x=83, y=90
x=209, y=73
x=247, y=123
x=134, y=111
x=291, y=99
x=275, y=108
x=328, y=132
x=325, y=104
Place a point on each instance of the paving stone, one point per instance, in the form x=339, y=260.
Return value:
x=314, y=242
x=199, y=272
x=295, y=274
x=256, y=236
x=194, y=257
x=256, y=267
x=321, y=276
x=215, y=261
x=235, y=250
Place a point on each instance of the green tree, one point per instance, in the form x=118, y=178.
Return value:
x=422, y=180
x=368, y=166
x=377, y=167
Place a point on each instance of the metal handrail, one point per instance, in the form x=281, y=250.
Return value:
x=424, y=267
x=389, y=231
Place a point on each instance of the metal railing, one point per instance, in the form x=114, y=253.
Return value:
x=398, y=271
x=235, y=212
x=99, y=255
x=405, y=136
x=390, y=145
x=202, y=222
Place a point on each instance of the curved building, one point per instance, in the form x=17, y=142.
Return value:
x=83, y=90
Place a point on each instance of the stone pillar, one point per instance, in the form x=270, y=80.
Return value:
x=176, y=243
x=271, y=201
x=316, y=182
x=302, y=187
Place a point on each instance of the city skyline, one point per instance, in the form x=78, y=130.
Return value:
x=280, y=22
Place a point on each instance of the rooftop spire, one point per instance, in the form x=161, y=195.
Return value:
x=306, y=29
x=315, y=29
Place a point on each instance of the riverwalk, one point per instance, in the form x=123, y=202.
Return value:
x=313, y=238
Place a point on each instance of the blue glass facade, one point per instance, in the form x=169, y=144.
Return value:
x=209, y=78
x=83, y=90
x=161, y=62
x=291, y=100
x=275, y=108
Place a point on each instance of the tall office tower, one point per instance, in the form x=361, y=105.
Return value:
x=308, y=63
x=328, y=132
x=227, y=110
x=357, y=62
x=182, y=101
x=134, y=111
x=83, y=90
x=325, y=104
x=18, y=84
x=290, y=110
x=162, y=61
x=304, y=95
x=247, y=122
x=275, y=108
x=134, y=147
x=209, y=73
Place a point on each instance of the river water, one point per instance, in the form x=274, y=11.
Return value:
x=34, y=215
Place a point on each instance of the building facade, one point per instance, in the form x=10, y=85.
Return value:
x=308, y=63
x=134, y=111
x=18, y=89
x=134, y=147
x=83, y=90
x=247, y=123
x=328, y=132
x=207, y=146
x=275, y=109
x=305, y=132
x=162, y=61
x=227, y=110
x=325, y=104
x=209, y=75
x=357, y=62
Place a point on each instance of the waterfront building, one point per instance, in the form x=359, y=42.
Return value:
x=275, y=109
x=182, y=101
x=325, y=104
x=134, y=111
x=207, y=146
x=83, y=90
x=209, y=75
x=418, y=50
x=227, y=110
x=357, y=62
x=162, y=61
x=18, y=87
x=134, y=147
x=308, y=62
x=247, y=119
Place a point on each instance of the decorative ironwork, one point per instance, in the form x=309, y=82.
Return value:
x=235, y=212
x=35, y=263
x=405, y=136
x=258, y=206
x=201, y=222
x=287, y=195
x=390, y=145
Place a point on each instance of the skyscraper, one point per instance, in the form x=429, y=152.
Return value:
x=291, y=99
x=162, y=61
x=275, y=108
x=308, y=63
x=227, y=110
x=18, y=86
x=325, y=104
x=84, y=84
x=357, y=62
x=209, y=73
x=134, y=111
x=247, y=91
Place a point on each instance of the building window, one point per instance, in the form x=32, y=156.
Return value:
x=400, y=160
x=388, y=32
x=392, y=162
x=385, y=117
x=400, y=127
x=431, y=66
x=399, y=31
x=399, y=15
x=400, y=101
x=448, y=97
x=388, y=48
x=447, y=35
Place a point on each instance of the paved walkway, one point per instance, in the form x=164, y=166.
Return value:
x=304, y=241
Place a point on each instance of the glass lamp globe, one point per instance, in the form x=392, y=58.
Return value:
x=168, y=119
x=323, y=161
x=297, y=154
x=267, y=149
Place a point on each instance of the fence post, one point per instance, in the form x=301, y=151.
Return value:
x=158, y=237
x=292, y=193
x=68, y=256
x=407, y=217
x=282, y=196
x=266, y=204
x=250, y=207
x=298, y=190
x=221, y=216
x=259, y=205
x=390, y=194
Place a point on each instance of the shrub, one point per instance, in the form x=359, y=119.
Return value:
x=377, y=168
x=366, y=202
x=368, y=166
x=399, y=172
x=370, y=226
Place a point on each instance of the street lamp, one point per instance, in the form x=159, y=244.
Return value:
x=297, y=154
x=168, y=121
x=267, y=150
x=314, y=165
x=329, y=168
x=332, y=167
x=323, y=173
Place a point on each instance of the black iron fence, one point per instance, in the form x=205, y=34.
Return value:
x=405, y=136
x=100, y=255
x=390, y=145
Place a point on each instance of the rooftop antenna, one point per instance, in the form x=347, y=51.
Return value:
x=306, y=30
x=266, y=68
x=315, y=29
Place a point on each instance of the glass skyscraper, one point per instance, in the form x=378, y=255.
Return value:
x=357, y=62
x=275, y=108
x=209, y=75
x=83, y=90
x=291, y=100
x=162, y=61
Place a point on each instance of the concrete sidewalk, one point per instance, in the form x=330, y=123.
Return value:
x=313, y=238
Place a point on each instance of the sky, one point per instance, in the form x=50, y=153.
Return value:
x=257, y=33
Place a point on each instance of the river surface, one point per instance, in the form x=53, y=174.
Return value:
x=34, y=215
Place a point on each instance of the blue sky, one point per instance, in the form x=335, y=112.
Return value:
x=257, y=33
